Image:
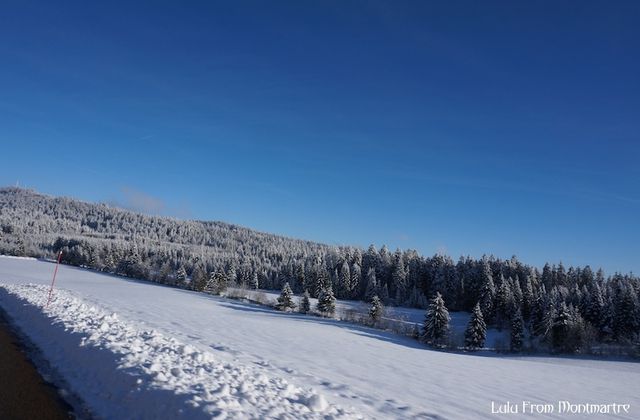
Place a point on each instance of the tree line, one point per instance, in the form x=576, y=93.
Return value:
x=564, y=308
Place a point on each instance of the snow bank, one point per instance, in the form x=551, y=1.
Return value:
x=123, y=372
x=14, y=257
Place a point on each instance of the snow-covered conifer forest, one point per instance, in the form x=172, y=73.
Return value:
x=562, y=309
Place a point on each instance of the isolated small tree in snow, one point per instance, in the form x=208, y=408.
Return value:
x=285, y=300
x=376, y=310
x=517, y=332
x=326, y=301
x=476, y=332
x=436, y=322
x=305, y=304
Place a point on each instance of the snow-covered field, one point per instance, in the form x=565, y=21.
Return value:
x=397, y=319
x=137, y=350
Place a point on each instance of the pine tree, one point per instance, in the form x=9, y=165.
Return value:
x=436, y=323
x=322, y=280
x=305, y=304
x=625, y=314
x=181, y=275
x=344, y=283
x=399, y=277
x=376, y=310
x=595, y=307
x=254, y=281
x=231, y=276
x=300, y=282
x=285, y=300
x=505, y=303
x=476, y=332
x=487, y=294
x=217, y=283
x=527, y=299
x=517, y=332
x=372, y=285
x=326, y=301
x=198, y=279
x=354, y=283
x=538, y=312
x=560, y=329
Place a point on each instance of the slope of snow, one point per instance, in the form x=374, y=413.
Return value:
x=355, y=369
x=121, y=372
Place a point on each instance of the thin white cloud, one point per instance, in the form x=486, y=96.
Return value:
x=136, y=200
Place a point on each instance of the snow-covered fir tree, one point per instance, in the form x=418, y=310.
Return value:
x=372, y=285
x=285, y=300
x=487, y=292
x=376, y=310
x=344, y=282
x=326, y=301
x=181, y=275
x=517, y=332
x=476, y=332
x=305, y=303
x=217, y=283
x=436, y=323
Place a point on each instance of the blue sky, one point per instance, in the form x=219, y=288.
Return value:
x=466, y=127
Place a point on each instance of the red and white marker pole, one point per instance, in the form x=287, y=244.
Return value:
x=54, y=278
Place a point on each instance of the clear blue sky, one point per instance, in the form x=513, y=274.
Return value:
x=468, y=127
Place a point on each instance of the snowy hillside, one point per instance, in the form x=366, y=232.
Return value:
x=137, y=350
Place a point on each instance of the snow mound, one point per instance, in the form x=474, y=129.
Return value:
x=15, y=257
x=120, y=371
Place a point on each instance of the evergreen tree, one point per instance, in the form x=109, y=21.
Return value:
x=354, y=284
x=595, y=308
x=399, y=277
x=198, y=279
x=436, y=323
x=285, y=300
x=217, y=283
x=527, y=299
x=326, y=301
x=231, y=276
x=300, y=283
x=165, y=272
x=305, y=304
x=517, y=332
x=476, y=332
x=376, y=310
x=322, y=280
x=181, y=275
x=539, y=321
x=561, y=329
x=254, y=281
x=487, y=293
x=372, y=285
x=505, y=303
x=344, y=283
x=625, y=319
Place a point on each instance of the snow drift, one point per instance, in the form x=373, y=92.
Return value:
x=121, y=372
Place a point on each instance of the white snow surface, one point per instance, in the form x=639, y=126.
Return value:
x=133, y=349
